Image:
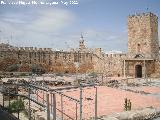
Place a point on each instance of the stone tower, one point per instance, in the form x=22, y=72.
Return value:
x=81, y=43
x=143, y=35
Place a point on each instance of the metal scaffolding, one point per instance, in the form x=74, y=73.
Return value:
x=49, y=101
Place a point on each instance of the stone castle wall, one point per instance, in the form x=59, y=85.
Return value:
x=53, y=61
x=26, y=54
x=65, y=61
x=143, y=45
x=23, y=57
x=110, y=64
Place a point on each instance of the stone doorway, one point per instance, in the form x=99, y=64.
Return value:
x=138, y=71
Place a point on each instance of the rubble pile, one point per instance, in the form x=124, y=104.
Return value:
x=112, y=83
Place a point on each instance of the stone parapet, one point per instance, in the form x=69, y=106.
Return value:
x=141, y=15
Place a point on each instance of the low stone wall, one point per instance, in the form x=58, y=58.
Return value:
x=144, y=114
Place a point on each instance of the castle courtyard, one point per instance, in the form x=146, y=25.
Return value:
x=143, y=94
x=111, y=100
x=49, y=71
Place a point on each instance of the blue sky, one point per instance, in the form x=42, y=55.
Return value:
x=102, y=22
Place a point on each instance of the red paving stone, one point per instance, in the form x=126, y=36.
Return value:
x=110, y=100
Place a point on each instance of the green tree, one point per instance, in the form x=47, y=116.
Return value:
x=16, y=105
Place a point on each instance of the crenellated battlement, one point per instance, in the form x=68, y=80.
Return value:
x=141, y=15
x=122, y=55
x=29, y=49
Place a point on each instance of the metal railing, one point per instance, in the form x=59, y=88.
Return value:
x=49, y=101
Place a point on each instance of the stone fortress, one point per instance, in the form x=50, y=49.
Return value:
x=27, y=59
x=141, y=60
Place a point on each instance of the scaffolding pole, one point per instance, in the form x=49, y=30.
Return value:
x=51, y=102
x=62, y=107
x=29, y=105
x=54, y=107
x=80, y=102
x=48, y=107
x=96, y=104
x=76, y=111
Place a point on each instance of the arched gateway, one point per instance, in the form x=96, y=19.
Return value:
x=138, y=71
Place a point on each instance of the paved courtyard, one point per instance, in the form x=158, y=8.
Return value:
x=110, y=100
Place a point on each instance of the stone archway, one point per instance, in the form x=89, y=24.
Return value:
x=138, y=71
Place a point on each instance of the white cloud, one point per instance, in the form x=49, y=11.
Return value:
x=49, y=28
x=51, y=20
x=107, y=40
x=13, y=18
x=35, y=29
